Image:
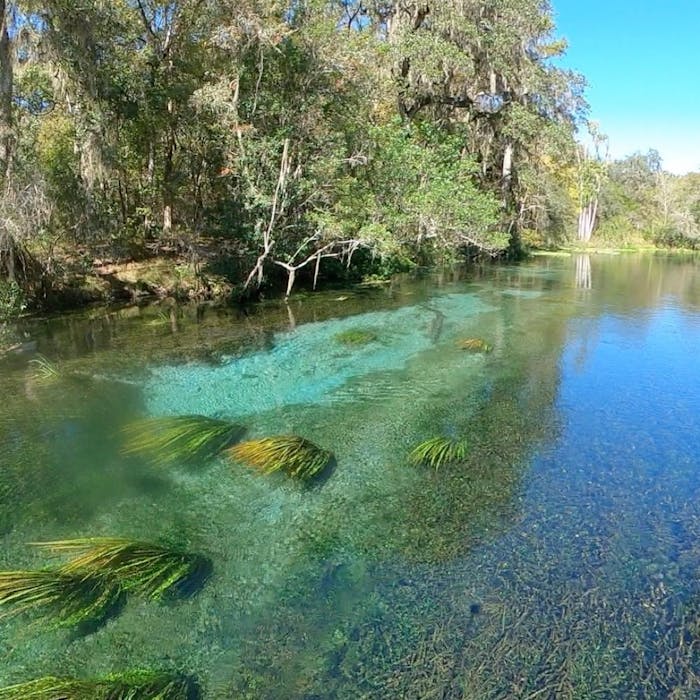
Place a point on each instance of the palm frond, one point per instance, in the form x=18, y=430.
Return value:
x=148, y=569
x=50, y=688
x=439, y=451
x=294, y=455
x=180, y=438
x=474, y=345
x=134, y=685
x=68, y=598
x=44, y=370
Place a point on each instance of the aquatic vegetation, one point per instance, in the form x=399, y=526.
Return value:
x=356, y=336
x=474, y=345
x=44, y=371
x=68, y=598
x=180, y=438
x=294, y=455
x=133, y=685
x=151, y=570
x=161, y=319
x=439, y=451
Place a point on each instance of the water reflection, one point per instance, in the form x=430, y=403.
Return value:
x=559, y=560
x=583, y=271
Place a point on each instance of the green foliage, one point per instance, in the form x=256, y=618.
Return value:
x=147, y=569
x=12, y=300
x=179, y=438
x=421, y=194
x=291, y=454
x=133, y=685
x=69, y=599
x=278, y=138
x=44, y=371
x=439, y=451
x=356, y=336
x=672, y=236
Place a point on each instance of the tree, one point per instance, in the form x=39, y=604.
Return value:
x=6, y=83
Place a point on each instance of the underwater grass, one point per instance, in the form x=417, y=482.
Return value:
x=439, y=451
x=148, y=569
x=69, y=599
x=179, y=438
x=133, y=685
x=292, y=454
x=356, y=336
x=44, y=371
x=474, y=345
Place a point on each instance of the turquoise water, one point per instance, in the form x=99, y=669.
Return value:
x=560, y=560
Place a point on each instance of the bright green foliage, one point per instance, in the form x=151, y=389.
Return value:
x=421, y=192
x=69, y=599
x=134, y=685
x=179, y=438
x=439, y=451
x=147, y=569
x=294, y=455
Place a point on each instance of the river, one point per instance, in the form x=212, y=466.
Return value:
x=559, y=559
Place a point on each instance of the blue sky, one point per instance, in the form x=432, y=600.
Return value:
x=642, y=63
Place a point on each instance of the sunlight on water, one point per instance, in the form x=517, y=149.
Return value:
x=307, y=364
x=560, y=560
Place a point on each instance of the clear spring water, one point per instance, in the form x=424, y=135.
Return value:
x=562, y=560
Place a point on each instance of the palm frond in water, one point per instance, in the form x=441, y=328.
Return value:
x=294, y=455
x=135, y=685
x=439, y=451
x=180, y=438
x=44, y=370
x=68, y=598
x=148, y=569
x=474, y=345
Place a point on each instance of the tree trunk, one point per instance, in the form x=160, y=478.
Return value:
x=168, y=186
x=586, y=220
x=5, y=93
x=507, y=173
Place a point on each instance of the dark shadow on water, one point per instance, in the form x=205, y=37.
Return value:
x=318, y=481
x=85, y=629
x=191, y=585
x=192, y=689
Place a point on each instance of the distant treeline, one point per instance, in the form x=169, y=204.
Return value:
x=276, y=137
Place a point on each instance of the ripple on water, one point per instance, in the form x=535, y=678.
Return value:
x=308, y=364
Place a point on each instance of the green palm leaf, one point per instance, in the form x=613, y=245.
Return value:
x=294, y=455
x=439, y=451
x=151, y=570
x=69, y=598
x=180, y=438
x=135, y=685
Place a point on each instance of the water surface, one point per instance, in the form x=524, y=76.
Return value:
x=560, y=560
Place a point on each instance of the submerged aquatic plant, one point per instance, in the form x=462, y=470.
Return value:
x=439, y=451
x=134, y=685
x=151, y=570
x=289, y=453
x=474, y=345
x=356, y=336
x=44, y=370
x=69, y=598
x=180, y=438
